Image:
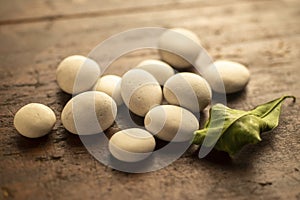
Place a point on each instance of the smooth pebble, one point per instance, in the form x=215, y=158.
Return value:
x=160, y=70
x=131, y=145
x=89, y=113
x=188, y=90
x=77, y=74
x=34, y=120
x=140, y=91
x=178, y=45
x=111, y=85
x=171, y=123
x=235, y=77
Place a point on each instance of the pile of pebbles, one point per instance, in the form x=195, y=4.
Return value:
x=143, y=90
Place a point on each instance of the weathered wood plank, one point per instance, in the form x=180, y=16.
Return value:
x=21, y=11
x=222, y=29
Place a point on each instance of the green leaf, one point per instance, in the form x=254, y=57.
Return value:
x=270, y=111
x=230, y=130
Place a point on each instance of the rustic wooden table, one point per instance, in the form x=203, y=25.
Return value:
x=36, y=34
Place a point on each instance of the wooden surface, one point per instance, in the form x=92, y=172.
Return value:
x=36, y=34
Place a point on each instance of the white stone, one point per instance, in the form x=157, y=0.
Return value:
x=77, y=74
x=171, y=123
x=140, y=91
x=181, y=44
x=160, y=70
x=34, y=120
x=188, y=90
x=235, y=76
x=89, y=113
x=131, y=145
x=111, y=85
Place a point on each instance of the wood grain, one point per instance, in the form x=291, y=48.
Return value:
x=16, y=11
x=36, y=35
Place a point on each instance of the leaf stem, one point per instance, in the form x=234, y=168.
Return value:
x=275, y=105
